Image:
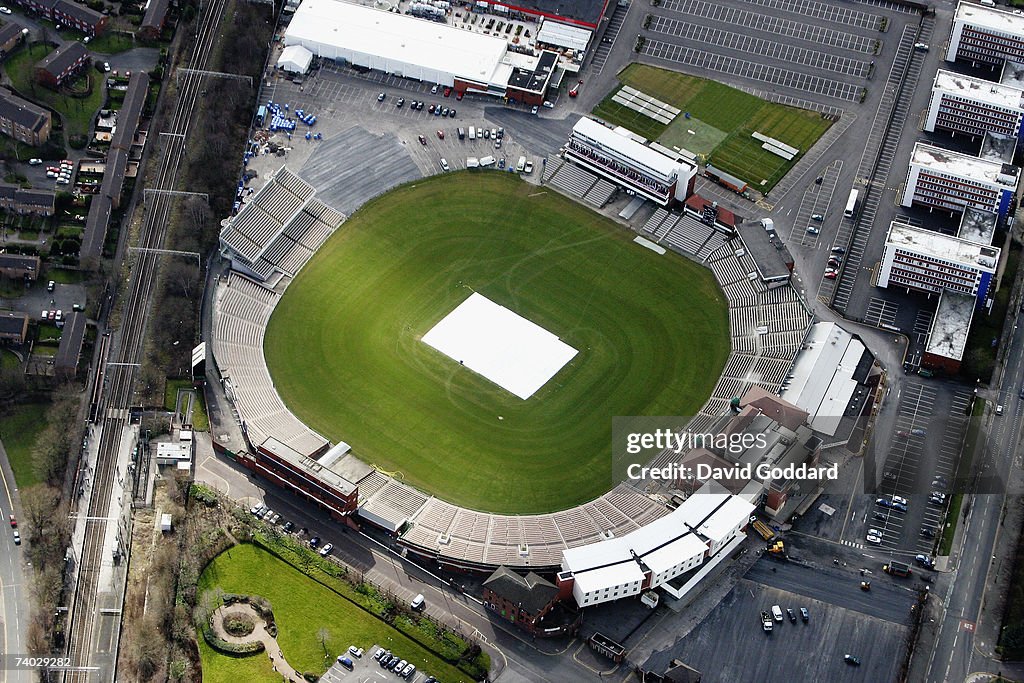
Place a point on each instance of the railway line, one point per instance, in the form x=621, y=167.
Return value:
x=116, y=375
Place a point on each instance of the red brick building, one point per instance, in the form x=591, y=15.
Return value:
x=531, y=603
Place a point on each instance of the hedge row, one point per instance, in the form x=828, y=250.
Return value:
x=218, y=643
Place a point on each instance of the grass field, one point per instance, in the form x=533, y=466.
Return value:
x=76, y=112
x=301, y=608
x=344, y=346
x=717, y=111
x=18, y=430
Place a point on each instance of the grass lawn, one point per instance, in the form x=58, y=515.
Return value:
x=111, y=43
x=722, y=120
x=301, y=607
x=8, y=360
x=18, y=431
x=651, y=330
x=77, y=112
x=200, y=421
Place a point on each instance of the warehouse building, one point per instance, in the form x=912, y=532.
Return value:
x=616, y=154
x=973, y=106
x=427, y=51
x=951, y=181
x=985, y=35
x=932, y=263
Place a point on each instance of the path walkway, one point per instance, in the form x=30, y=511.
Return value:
x=259, y=633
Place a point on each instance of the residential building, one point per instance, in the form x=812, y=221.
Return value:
x=62, y=64
x=22, y=120
x=70, y=349
x=619, y=156
x=951, y=181
x=13, y=327
x=930, y=262
x=20, y=266
x=11, y=36
x=154, y=19
x=985, y=35
x=15, y=199
x=973, y=106
x=77, y=16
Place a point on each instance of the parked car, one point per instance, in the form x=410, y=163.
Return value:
x=811, y=230
x=422, y=139
x=451, y=113
x=923, y=560
x=447, y=91
x=326, y=550
x=314, y=542
x=355, y=651
x=14, y=522
x=534, y=110
x=346, y=662
x=791, y=614
x=873, y=536
x=5, y=10
x=851, y=660
x=883, y=502
x=400, y=102
x=380, y=97
x=378, y=654
x=418, y=603
x=433, y=90
x=430, y=109
x=805, y=615
x=35, y=162
x=831, y=274
x=288, y=526
x=817, y=217
x=440, y=134
x=444, y=112
x=838, y=250
x=17, y=537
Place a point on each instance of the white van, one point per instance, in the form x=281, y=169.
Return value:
x=487, y=161
x=521, y=165
x=777, y=612
x=418, y=603
x=472, y=133
x=444, y=165
x=988, y=3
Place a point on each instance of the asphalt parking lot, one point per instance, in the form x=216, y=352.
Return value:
x=367, y=669
x=925, y=443
x=730, y=645
x=818, y=200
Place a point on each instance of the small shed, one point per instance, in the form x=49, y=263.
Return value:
x=295, y=59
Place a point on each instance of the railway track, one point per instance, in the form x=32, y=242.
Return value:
x=115, y=381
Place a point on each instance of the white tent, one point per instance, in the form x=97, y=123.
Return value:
x=295, y=59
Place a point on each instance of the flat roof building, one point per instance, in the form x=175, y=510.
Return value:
x=942, y=179
x=578, y=12
x=977, y=226
x=947, y=338
x=655, y=554
x=615, y=154
x=403, y=45
x=930, y=262
x=985, y=35
x=973, y=106
x=997, y=148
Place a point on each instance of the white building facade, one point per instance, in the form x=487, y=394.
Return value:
x=951, y=181
x=618, y=156
x=930, y=262
x=985, y=35
x=973, y=106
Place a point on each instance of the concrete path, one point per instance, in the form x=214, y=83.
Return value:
x=259, y=633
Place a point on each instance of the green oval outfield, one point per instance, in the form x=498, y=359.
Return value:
x=344, y=344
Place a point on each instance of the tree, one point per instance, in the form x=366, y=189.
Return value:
x=323, y=635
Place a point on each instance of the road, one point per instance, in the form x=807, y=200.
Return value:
x=956, y=653
x=14, y=608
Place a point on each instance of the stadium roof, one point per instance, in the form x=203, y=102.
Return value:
x=822, y=382
x=979, y=89
x=946, y=247
x=397, y=38
x=626, y=146
x=963, y=165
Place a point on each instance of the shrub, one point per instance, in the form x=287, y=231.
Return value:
x=239, y=625
x=221, y=645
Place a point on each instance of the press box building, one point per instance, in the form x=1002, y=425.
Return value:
x=951, y=181
x=616, y=154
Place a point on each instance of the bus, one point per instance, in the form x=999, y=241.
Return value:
x=851, y=204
